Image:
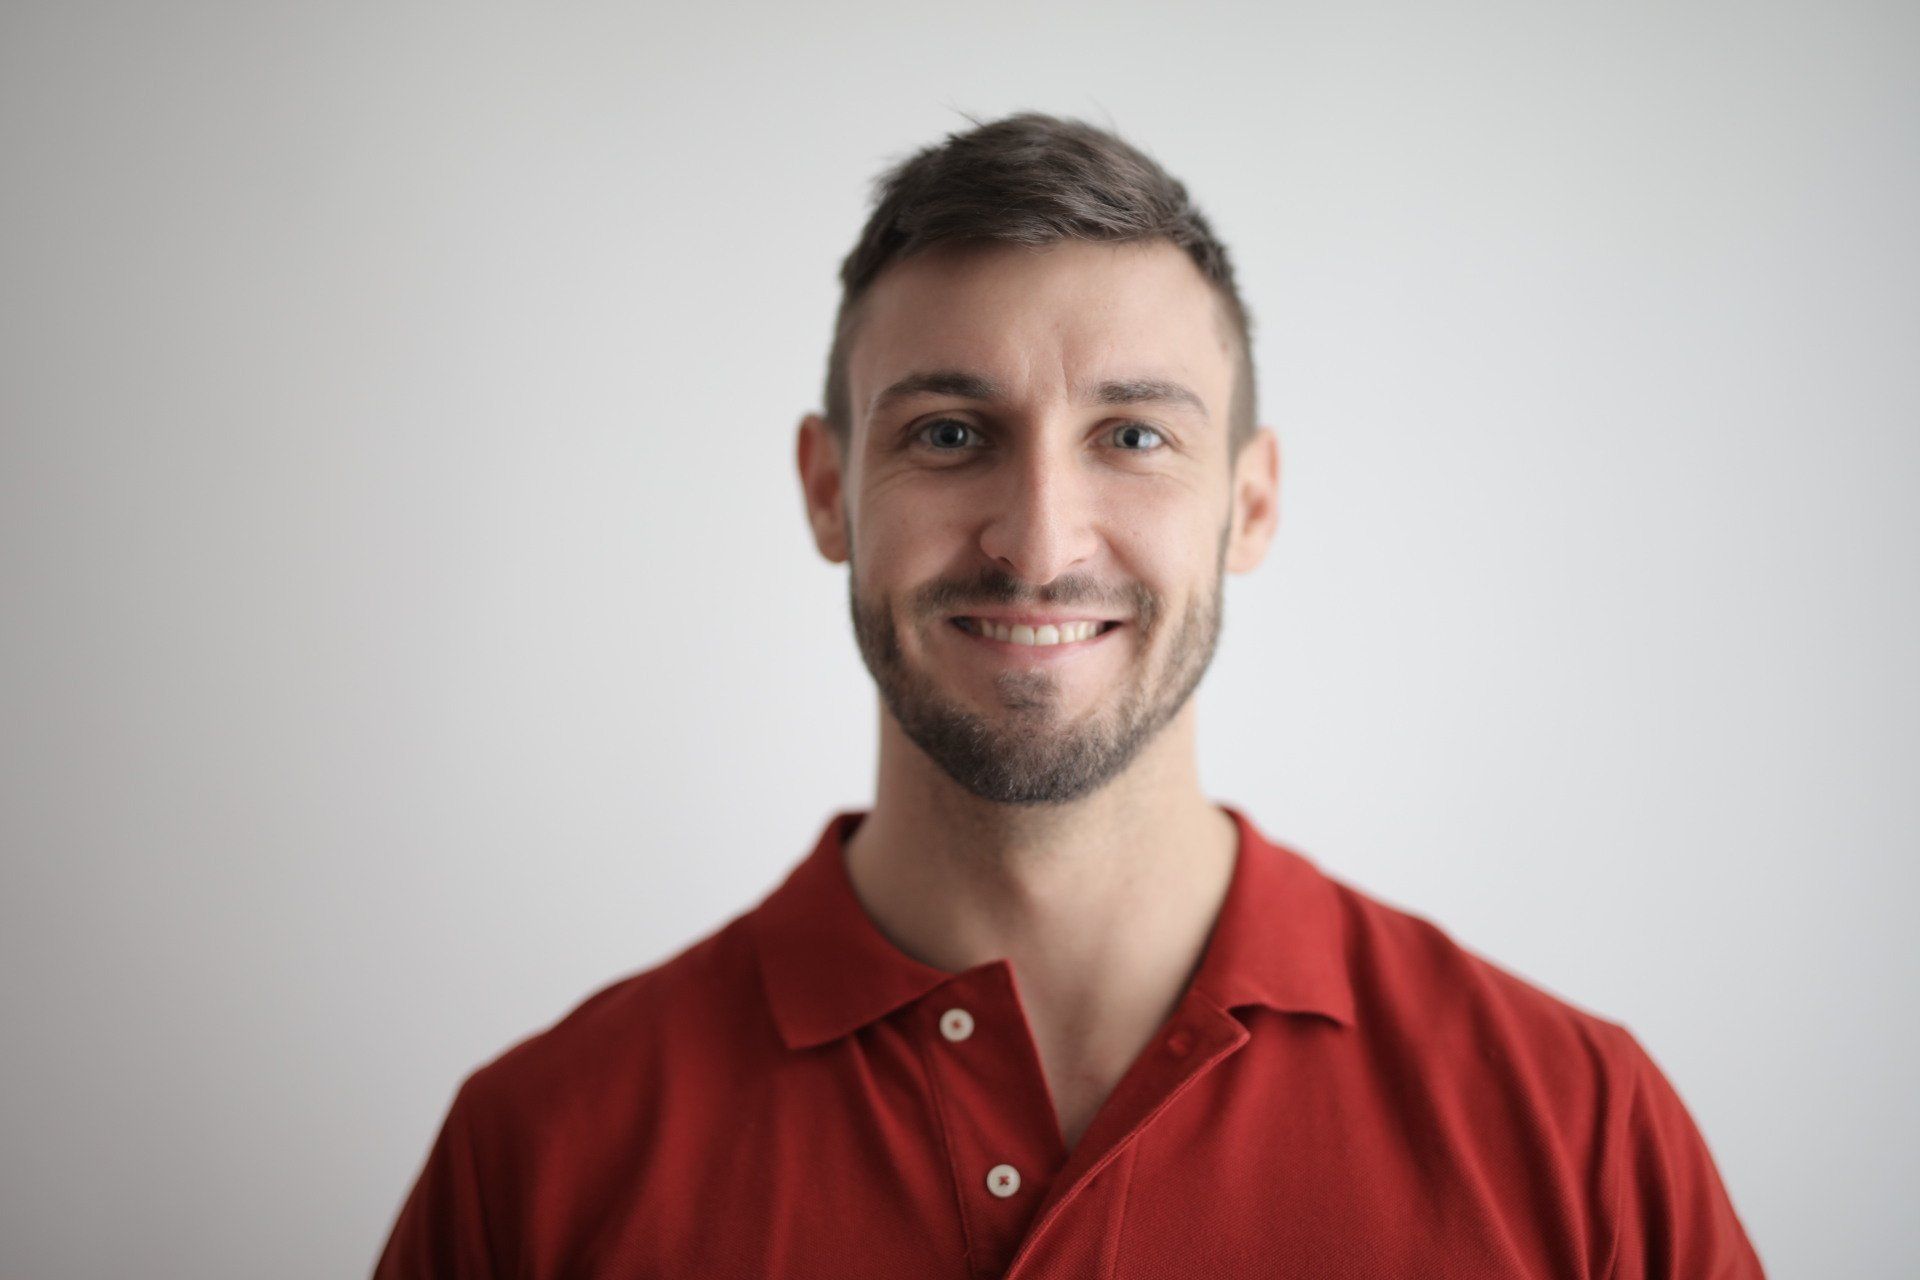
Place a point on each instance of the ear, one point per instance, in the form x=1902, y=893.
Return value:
x=1256, y=501
x=818, y=456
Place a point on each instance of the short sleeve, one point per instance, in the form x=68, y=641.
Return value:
x=441, y=1230
x=1673, y=1216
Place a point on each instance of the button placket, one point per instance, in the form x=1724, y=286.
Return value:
x=956, y=1024
x=1002, y=1136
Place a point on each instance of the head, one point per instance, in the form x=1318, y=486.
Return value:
x=1039, y=416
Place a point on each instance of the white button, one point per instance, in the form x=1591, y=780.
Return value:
x=1003, y=1180
x=957, y=1024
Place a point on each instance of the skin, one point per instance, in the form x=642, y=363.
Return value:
x=1046, y=811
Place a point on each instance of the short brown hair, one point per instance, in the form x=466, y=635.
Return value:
x=1032, y=179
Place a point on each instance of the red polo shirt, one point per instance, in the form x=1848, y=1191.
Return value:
x=1343, y=1091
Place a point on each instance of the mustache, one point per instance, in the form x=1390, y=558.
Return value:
x=996, y=588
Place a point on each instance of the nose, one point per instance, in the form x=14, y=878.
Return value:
x=1040, y=514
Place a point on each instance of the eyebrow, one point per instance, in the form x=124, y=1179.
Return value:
x=972, y=386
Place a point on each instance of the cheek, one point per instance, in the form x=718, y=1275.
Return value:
x=1162, y=535
x=903, y=534
x=894, y=561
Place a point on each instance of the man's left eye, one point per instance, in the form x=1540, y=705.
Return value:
x=1130, y=435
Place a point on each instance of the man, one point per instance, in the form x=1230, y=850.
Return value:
x=1045, y=1010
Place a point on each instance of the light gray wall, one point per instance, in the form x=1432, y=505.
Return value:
x=409, y=625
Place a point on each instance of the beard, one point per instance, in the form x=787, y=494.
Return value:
x=1029, y=754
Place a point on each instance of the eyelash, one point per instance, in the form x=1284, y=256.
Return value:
x=921, y=431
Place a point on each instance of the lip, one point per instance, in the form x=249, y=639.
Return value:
x=1034, y=619
x=1032, y=654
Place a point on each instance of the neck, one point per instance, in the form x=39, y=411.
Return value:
x=1103, y=905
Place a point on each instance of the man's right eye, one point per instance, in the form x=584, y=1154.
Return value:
x=947, y=435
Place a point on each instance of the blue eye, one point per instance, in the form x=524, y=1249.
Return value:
x=1134, y=430
x=951, y=425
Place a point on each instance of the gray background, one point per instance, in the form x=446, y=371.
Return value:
x=410, y=626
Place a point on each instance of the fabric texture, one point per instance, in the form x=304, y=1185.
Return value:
x=1342, y=1091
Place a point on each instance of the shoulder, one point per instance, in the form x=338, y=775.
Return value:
x=1476, y=1031
x=686, y=1012
x=532, y=1134
x=1410, y=971
x=1497, y=1058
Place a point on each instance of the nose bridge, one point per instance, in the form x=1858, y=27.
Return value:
x=1040, y=525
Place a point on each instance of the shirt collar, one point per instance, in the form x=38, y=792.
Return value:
x=828, y=969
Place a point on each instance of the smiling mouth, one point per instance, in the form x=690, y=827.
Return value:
x=1037, y=637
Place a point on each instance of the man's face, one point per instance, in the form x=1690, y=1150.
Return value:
x=1039, y=444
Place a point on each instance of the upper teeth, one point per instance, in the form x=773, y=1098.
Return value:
x=1065, y=633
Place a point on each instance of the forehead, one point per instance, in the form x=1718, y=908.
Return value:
x=1045, y=322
